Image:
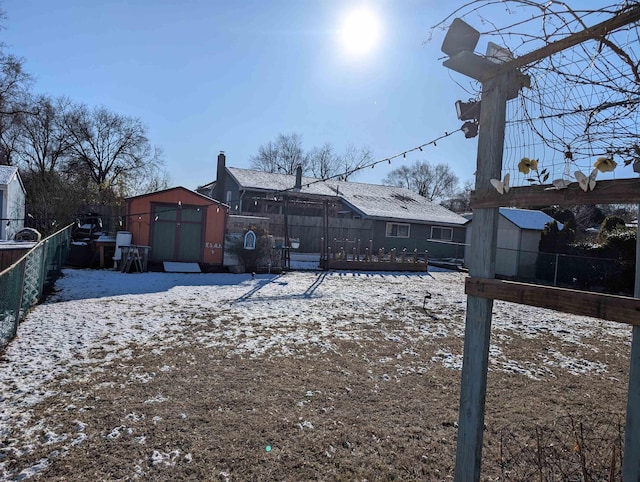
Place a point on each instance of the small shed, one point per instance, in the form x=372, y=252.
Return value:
x=519, y=232
x=179, y=225
x=12, y=202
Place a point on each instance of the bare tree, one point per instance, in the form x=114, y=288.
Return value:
x=152, y=179
x=323, y=161
x=284, y=155
x=432, y=182
x=460, y=201
x=43, y=143
x=107, y=146
x=14, y=106
x=353, y=159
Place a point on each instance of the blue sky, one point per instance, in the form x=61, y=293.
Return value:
x=207, y=75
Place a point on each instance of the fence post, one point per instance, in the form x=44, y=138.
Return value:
x=392, y=255
x=403, y=256
x=415, y=255
x=555, y=272
x=43, y=269
x=16, y=318
x=631, y=460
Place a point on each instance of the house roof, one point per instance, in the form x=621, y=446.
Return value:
x=369, y=200
x=269, y=181
x=7, y=173
x=388, y=202
x=527, y=219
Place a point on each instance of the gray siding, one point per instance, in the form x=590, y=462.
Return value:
x=419, y=239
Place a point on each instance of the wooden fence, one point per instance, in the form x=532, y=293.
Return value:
x=350, y=254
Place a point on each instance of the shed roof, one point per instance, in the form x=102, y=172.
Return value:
x=178, y=188
x=7, y=173
x=370, y=200
x=527, y=218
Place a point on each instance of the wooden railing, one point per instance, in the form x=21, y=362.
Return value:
x=349, y=255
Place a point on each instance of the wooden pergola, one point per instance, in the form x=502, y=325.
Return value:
x=500, y=83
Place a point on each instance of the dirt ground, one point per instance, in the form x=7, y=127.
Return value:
x=353, y=412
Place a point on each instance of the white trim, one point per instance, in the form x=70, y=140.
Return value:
x=442, y=230
x=389, y=230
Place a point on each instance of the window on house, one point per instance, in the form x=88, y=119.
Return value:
x=439, y=232
x=229, y=194
x=397, y=230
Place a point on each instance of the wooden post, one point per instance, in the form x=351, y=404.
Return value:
x=358, y=250
x=631, y=461
x=482, y=264
x=326, y=232
x=16, y=318
x=392, y=255
x=404, y=255
x=380, y=254
x=371, y=246
x=415, y=255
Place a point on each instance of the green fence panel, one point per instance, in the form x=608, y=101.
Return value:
x=10, y=287
x=26, y=282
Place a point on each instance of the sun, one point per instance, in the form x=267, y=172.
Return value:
x=359, y=31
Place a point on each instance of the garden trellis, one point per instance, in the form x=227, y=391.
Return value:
x=551, y=121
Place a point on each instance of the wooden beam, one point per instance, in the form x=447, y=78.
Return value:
x=622, y=309
x=618, y=191
x=632, y=15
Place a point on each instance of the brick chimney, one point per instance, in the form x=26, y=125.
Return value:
x=218, y=192
x=298, y=177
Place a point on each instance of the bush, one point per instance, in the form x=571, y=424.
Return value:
x=264, y=254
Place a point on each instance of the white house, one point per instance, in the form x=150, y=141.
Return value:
x=12, y=202
x=519, y=232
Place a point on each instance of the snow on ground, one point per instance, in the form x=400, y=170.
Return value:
x=96, y=315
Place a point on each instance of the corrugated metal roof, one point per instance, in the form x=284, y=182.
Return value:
x=7, y=173
x=527, y=219
x=370, y=200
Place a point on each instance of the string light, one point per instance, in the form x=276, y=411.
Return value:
x=343, y=175
x=375, y=163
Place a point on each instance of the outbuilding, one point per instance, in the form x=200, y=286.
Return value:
x=178, y=225
x=519, y=232
x=12, y=202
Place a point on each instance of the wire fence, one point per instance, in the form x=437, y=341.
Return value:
x=29, y=279
x=589, y=273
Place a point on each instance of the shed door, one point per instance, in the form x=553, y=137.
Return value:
x=177, y=233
